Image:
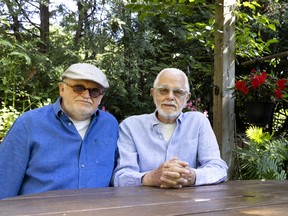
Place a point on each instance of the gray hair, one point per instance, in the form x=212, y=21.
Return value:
x=174, y=71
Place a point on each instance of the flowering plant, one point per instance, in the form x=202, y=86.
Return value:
x=260, y=86
x=195, y=105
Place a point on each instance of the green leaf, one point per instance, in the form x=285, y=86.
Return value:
x=6, y=43
x=272, y=27
x=20, y=55
x=248, y=4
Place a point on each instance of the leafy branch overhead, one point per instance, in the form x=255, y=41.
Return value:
x=131, y=41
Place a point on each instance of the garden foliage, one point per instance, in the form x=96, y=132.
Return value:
x=263, y=156
x=131, y=41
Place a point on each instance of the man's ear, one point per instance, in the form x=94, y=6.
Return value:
x=152, y=91
x=61, y=87
x=188, y=96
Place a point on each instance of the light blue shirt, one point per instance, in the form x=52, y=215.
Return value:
x=43, y=151
x=142, y=148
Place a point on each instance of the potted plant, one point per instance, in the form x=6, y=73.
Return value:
x=259, y=91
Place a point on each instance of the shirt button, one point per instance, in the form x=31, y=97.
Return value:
x=69, y=123
x=82, y=165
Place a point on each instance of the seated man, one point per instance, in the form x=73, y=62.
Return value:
x=66, y=145
x=168, y=148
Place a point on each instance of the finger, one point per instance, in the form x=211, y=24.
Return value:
x=181, y=163
x=182, y=181
x=167, y=181
x=176, y=168
x=173, y=181
x=172, y=175
x=177, y=161
x=175, y=176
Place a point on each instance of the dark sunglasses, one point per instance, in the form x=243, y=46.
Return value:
x=79, y=89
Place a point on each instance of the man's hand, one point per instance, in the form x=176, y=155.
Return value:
x=171, y=174
x=190, y=177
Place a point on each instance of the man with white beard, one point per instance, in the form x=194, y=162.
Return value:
x=168, y=148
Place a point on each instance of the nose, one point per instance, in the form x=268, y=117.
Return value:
x=170, y=95
x=86, y=93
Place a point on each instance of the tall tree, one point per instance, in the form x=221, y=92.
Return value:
x=16, y=24
x=44, y=25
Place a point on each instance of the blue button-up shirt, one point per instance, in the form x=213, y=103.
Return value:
x=43, y=151
x=142, y=148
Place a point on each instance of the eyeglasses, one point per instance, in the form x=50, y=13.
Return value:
x=79, y=89
x=179, y=93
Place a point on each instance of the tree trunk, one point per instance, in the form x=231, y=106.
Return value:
x=82, y=14
x=44, y=25
x=16, y=24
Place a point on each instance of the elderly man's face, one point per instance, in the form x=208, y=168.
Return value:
x=79, y=106
x=170, y=96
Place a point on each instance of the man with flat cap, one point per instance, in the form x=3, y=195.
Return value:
x=70, y=144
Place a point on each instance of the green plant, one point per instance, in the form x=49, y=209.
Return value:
x=8, y=114
x=257, y=135
x=263, y=156
x=7, y=117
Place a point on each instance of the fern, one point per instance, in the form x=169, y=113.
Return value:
x=265, y=158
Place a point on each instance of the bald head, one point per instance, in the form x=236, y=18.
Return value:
x=172, y=72
x=170, y=94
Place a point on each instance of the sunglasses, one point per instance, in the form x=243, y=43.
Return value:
x=79, y=89
x=179, y=93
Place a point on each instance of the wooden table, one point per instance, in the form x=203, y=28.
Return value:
x=230, y=198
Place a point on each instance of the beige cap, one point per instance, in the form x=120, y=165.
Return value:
x=86, y=71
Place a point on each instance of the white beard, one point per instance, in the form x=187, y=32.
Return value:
x=171, y=115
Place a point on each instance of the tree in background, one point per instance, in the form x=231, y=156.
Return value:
x=130, y=40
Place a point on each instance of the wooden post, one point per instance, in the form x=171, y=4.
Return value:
x=224, y=75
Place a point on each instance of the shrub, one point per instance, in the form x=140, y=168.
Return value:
x=7, y=117
x=262, y=156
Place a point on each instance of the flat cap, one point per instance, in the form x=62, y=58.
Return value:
x=86, y=71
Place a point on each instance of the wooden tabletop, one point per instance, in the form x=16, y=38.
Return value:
x=231, y=198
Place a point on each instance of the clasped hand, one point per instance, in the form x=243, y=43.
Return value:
x=173, y=173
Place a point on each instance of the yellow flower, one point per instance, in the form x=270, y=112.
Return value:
x=257, y=135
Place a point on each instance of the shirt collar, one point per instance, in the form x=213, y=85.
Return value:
x=57, y=107
x=155, y=120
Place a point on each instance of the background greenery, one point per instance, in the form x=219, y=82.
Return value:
x=262, y=156
x=131, y=41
